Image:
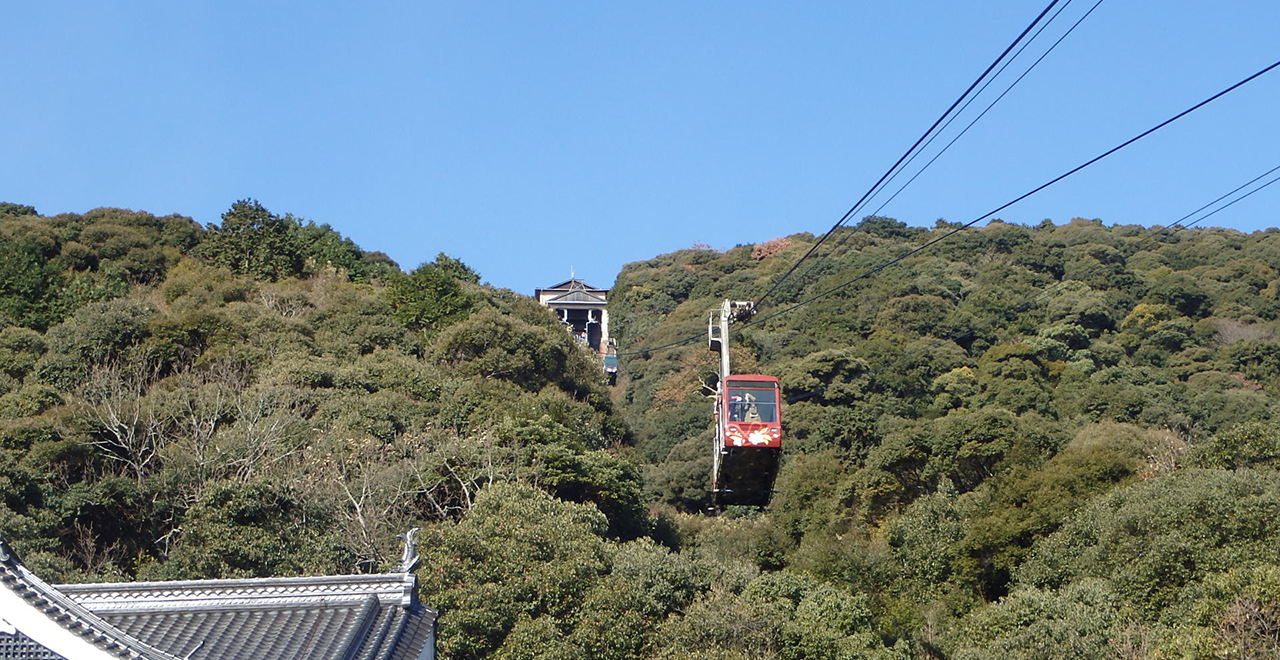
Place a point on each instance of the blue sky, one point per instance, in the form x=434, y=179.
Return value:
x=529, y=138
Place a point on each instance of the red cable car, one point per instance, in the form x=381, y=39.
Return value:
x=748, y=422
x=748, y=440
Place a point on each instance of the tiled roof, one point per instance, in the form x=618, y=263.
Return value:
x=18, y=645
x=115, y=597
x=345, y=617
x=339, y=617
x=44, y=614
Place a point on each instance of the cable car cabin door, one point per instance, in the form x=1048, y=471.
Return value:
x=748, y=441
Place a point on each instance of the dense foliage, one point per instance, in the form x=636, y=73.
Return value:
x=1024, y=442
x=261, y=397
x=1049, y=441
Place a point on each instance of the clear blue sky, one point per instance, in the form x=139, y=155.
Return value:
x=528, y=138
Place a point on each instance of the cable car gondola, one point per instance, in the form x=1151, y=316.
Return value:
x=748, y=440
x=611, y=362
x=748, y=421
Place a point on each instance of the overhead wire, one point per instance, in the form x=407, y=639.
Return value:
x=897, y=164
x=984, y=216
x=900, y=258
x=990, y=81
x=1019, y=198
x=988, y=108
x=906, y=157
x=1154, y=233
x=1178, y=226
x=978, y=219
x=971, y=123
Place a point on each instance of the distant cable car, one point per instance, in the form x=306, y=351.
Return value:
x=748, y=423
x=611, y=362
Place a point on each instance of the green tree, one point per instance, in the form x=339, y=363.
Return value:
x=519, y=553
x=252, y=529
x=428, y=299
x=16, y=210
x=722, y=625
x=620, y=613
x=490, y=344
x=97, y=334
x=822, y=620
x=1074, y=623
x=1033, y=501
x=322, y=246
x=1249, y=445
x=1013, y=377
x=456, y=268
x=1152, y=539
x=29, y=286
x=253, y=241
x=599, y=477
x=20, y=348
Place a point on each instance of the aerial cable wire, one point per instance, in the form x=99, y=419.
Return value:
x=675, y=344
x=990, y=81
x=1153, y=233
x=887, y=176
x=1179, y=226
x=989, y=107
x=1229, y=204
x=908, y=152
x=975, y=119
x=978, y=219
x=965, y=106
x=1021, y=197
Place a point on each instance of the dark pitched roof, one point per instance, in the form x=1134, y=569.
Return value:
x=569, y=285
x=31, y=606
x=18, y=645
x=345, y=617
x=573, y=283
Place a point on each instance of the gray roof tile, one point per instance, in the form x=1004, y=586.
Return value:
x=344, y=617
x=18, y=646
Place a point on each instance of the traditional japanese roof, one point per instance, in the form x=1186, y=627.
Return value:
x=37, y=621
x=344, y=617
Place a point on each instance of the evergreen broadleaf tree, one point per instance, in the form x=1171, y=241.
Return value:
x=255, y=242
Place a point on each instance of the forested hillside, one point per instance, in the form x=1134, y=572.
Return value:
x=1024, y=442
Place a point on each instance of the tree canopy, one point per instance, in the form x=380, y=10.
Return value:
x=1021, y=442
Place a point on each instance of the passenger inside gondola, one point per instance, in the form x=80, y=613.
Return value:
x=752, y=405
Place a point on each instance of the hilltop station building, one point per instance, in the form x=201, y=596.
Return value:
x=582, y=308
